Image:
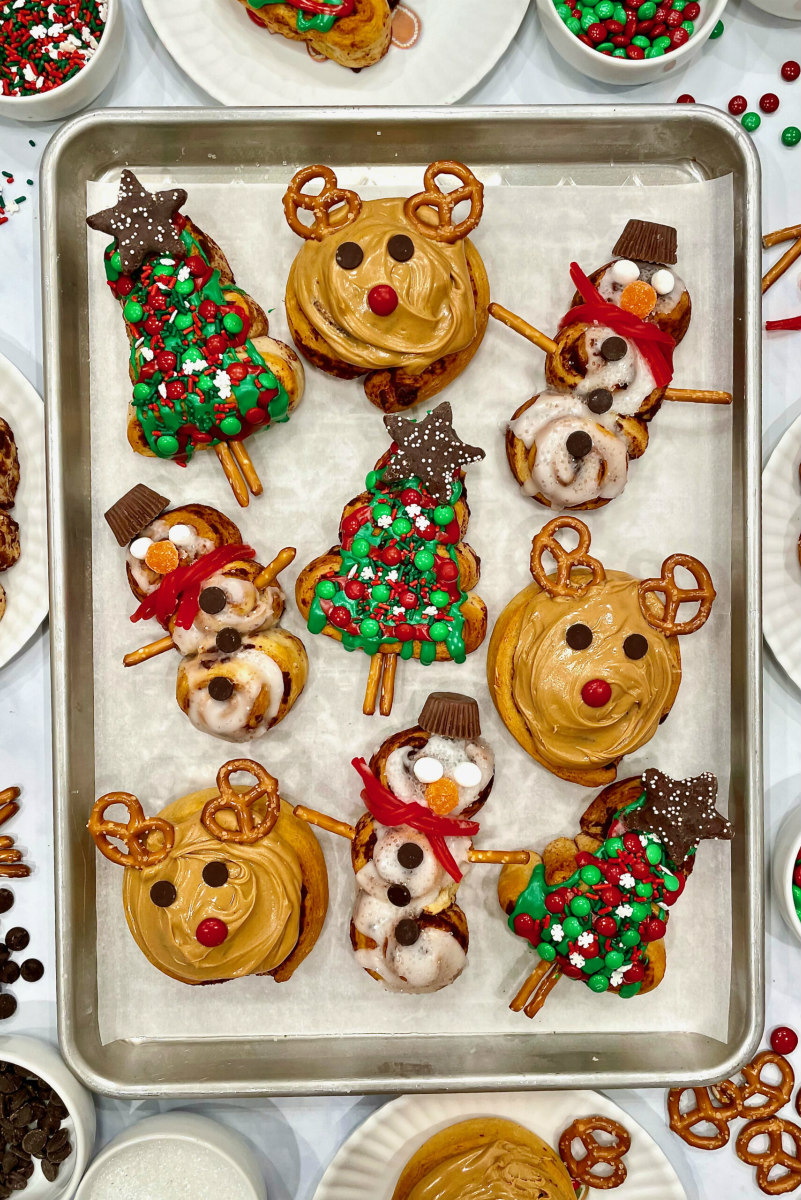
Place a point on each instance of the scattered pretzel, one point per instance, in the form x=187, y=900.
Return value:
x=675, y=595
x=443, y=203
x=134, y=834
x=240, y=804
x=566, y=560
x=321, y=206
x=766, y=1161
x=596, y=1153
x=776, y=1094
x=705, y=1112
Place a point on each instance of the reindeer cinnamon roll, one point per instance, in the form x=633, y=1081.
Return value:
x=584, y=663
x=223, y=883
x=392, y=290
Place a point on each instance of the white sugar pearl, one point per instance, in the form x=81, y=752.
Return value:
x=467, y=774
x=181, y=535
x=428, y=770
x=662, y=282
x=140, y=546
x=625, y=271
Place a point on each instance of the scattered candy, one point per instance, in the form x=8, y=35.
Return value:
x=790, y=70
x=43, y=44
x=769, y=102
x=737, y=105
x=783, y=1040
x=751, y=121
x=686, y=98
x=717, y=31
x=632, y=30
x=791, y=136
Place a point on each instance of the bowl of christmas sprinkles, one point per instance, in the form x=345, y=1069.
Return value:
x=56, y=56
x=629, y=41
x=787, y=871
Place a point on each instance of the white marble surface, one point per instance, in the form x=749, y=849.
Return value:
x=296, y=1139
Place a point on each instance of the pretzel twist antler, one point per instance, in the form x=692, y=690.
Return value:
x=596, y=1153
x=765, y=1161
x=134, y=834
x=240, y=804
x=321, y=206
x=566, y=560
x=443, y=203
x=675, y=595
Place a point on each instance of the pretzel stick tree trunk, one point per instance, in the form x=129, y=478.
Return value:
x=233, y=473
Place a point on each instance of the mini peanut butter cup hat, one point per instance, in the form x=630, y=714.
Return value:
x=647, y=241
x=451, y=715
x=134, y=511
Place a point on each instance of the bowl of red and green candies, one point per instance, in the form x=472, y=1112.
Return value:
x=787, y=871
x=630, y=41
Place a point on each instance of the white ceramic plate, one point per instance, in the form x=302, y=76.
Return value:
x=223, y=52
x=26, y=582
x=781, y=570
x=373, y=1157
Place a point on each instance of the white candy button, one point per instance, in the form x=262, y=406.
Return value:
x=428, y=770
x=181, y=535
x=467, y=774
x=663, y=282
x=625, y=271
x=140, y=546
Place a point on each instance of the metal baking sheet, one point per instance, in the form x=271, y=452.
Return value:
x=598, y=145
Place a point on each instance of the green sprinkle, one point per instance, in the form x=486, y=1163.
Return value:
x=20, y=199
x=31, y=142
x=7, y=174
x=29, y=182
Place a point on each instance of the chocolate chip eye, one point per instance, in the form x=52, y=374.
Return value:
x=410, y=855
x=212, y=600
x=221, y=687
x=163, y=893
x=400, y=247
x=635, y=646
x=613, y=348
x=578, y=637
x=599, y=401
x=407, y=932
x=398, y=895
x=349, y=256
x=215, y=874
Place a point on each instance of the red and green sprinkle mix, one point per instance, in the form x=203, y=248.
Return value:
x=628, y=28
x=43, y=45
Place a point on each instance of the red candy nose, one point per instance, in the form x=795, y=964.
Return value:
x=211, y=932
x=596, y=693
x=383, y=299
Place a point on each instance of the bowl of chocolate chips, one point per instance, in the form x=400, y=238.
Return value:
x=47, y=1122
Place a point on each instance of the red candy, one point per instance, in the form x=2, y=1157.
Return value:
x=404, y=632
x=236, y=371
x=552, y=903
x=407, y=600
x=632, y=842
x=737, y=105
x=691, y=12
x=411, y=496
x=635, y=52
x=673, y=18
x=596, y=32
x=383, y=299
x=339, y=616
x=196, y=265
x=679, y=37
x=166, y=360
x=686, y=98
x=352, y=525
x=217, y=344
x=354, y=589
x=790, y=70
x=635, y=974
x=174, y=390
x=207, y=310
x=613, y=872
x=783, y=1040
x=153, y=325
x=797, y=875
x=605, y=926
x=256, y=416
x=652, y=930
x=584, y=858
x=611, y=896
x=769, y=102
x=597, y=692
x=524, y=925
x=391, y=556
x=211, y=932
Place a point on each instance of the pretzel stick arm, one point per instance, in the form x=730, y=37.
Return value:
x=151, y=650
x=373, y=681
x=233, y=474
x=785, y=262
x=8, y=794
x=694, y=396
x=245, y=464
x=522, y=327
x=788, y=234
x=323, y=821
x=542, y=992
x=388, y=683
x=274, y=568
x=499, y=857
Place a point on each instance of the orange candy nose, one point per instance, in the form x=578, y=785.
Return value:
x=162, y=557
x=638, y=298
x=442, y=796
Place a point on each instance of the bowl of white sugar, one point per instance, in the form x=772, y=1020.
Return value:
x=177, y=1154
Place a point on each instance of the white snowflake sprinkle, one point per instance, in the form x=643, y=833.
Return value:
x=557, y=933
x=391, y=576
x=222, y=382
x=385, y=521
x=577, y=959
x=422, y=522
x=183, y=272
x=627, y=880
x=624, y=910
x=367, y=573
x=617, y=977
x=413, y=510
x=585, y=939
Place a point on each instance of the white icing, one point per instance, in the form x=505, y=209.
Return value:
x=629, y=379
x=662, y=282
x=434, y=961
x=449, y=752
x=247, y=610
x=139, y=547
x=624, y=271
x=251, y=670
x=428, y=770
x=611, y=289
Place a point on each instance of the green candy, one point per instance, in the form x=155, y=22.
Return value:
x=563, y=11
x=443, y=514
x=613, y=846
x=369, y=628
x=639, y=911
x=630, y=937
x=689, y=26
x=671, y=883
x=231, y=426
x=619, y=53
x=233, y=323
x=183, y=321
x=613, y=960
x=646, y=11
x=751, y=121
x=185, y=287
x=606, y=46
x=717, y=31
x=116, y=261
x=439, y=631
x=360, y=547
x=162, y=269
x=591, y=965
x=439, y=598
x=205, y=383
x=653, y=853
x=401, y=526
x=423, y=560
x=654, y=52
x=791, y=136
x=573, y=24
x=598, y=982
x=133, y=311
x=620, y=15
x=629, y=989
x=661, y=43
x=591, y=874
x=267, y=379
x=327, y=589
x=167, y=445
x=604, y=10
x=141, y=391
x=642, y=42
x=679, y=5
x=580, y=906
x=381, y=510
x=588, y=18
x=571, y=927
x=645, y=890
x=381, y=593
x=546, y=952
x=370, y=480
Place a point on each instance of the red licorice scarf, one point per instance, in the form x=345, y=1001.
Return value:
x=389, y=810
x=322, y=9
x=654, y=344
x=180, y=589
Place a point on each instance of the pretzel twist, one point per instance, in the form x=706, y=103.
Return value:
x=320, y=206
x=706, y=1111
x=134, y=834
x=566, y=560
x=443, y=203
x=675, y=595
x=240, y=804
x=776, y=1095
x=765, y=1161
x=595, y=1153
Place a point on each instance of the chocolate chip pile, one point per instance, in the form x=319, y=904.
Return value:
x=31, y=1114
x=16, y=940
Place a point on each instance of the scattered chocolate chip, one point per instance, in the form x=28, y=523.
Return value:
x=599, y=400
x=8, y=1006
x=221, y=687
x=635, y=646
x=23, y=1116
x=613, y=348
x=349, y=255
x=6, y=900
x=215, y=874
x=228, y=640
x=578, y=637
x=17, y=938
x=34, y=1141
x=9, y=972
x=400, y=247
x=398, y=895
x=163, y=893
x=50, y=1170
x=212, y=599
x=57, y=1153
x=579, y=443
x=407, y=932
x=410, y=855
x=32, y=970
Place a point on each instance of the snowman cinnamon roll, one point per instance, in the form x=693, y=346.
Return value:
x=231, y=601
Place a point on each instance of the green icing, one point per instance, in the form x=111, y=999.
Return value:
x=305, y=21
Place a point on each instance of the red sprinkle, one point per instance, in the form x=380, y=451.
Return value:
x=737, y=105
x=769, y=102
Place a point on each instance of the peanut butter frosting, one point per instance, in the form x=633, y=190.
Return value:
x=500, y=1170
x=548, y=676
x=436, y=309
x=260, y=902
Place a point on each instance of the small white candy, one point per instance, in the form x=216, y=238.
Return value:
x=625, y=271
x=181, y=535
x=662, y=282
x=467, y=774
x=428, y=770
x=140, y=546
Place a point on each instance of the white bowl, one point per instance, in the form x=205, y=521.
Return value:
x=785, y=850
x=44, y=1061
x=625, y=71
x=179, y=1126
x=789, y=9
x=84, y=87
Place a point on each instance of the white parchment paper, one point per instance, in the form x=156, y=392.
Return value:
x=678, y=499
